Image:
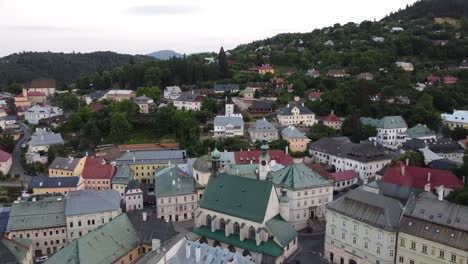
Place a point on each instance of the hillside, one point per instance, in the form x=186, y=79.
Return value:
x=432, y=9
x=164, y=54
x=64, y=67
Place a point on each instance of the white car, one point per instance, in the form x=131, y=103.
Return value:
x=42, y=259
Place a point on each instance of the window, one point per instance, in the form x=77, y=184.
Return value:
x=208, y=220
x=222, y=224
x=252, y=233
x=355, y=227
x=424, y=249
x=441, y=254
x=413, y=245
x=343, y=236
x=71, y=224
x=453, y=258
x=354, y=240
x=366, y=245
x=392, y=239
x=378, y=250
x=236, y=228
x=379, y=236
x=402, y=242
x=401, y=259
x=391, y=253
x=79, y=223
x=411, y=261
x=333, y=231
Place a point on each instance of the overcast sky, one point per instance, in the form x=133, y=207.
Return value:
x=144, y=26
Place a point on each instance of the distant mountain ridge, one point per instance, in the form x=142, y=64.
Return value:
x=164, y=54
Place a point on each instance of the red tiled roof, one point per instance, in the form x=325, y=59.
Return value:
x=97, y=107
x=418, y=177
x=432, y=79
x=4, y=156
x=450, y=79
x=464, y=141
x=344, y=175
x=245, y=157
x=95, y=168
x=331, y=118
x=315, y=95
x=266, y=67
x=34, y=93
x=320, y=170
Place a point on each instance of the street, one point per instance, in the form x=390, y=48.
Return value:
x=16, y=167
x=311, y=249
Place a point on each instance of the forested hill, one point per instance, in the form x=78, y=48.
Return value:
x=431, y=9
x=64, y=67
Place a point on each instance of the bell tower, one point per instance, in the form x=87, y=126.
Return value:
x=215, y=162
x=264, y=161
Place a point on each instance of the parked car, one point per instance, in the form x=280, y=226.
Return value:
x=41, y=259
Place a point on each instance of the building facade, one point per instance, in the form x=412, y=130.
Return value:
x=119, y=95
x=296, y=115
x=459, y=118
x=145, y=104
x=263, y=129
x=332, y=121
x=97, y=174
x=70, y=166
x=38, y=112
x=5, y=162
x=189, y=101
x=228, y=125
x=297, y=140
x=391, y=130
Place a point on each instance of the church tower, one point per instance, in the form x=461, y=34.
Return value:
x=215, y=162
x=264, y=161
x=229, y=107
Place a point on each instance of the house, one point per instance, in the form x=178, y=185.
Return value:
x=367, y=76
x=21, y=100
x=37, y=97
x=266, y=68
x=230, y=124
x=247, y=93
x=176, y=194
x=189, y=101
x=134, y=196
x=262, y=129
x=329, y=43
x=459, y=118
x=440, y=42
x=42, y=139
x=145, y=104
x=422, y=178
x=420, y=87
x=378, y=39
x=296, y=114
x=332, y=121
x=406, y=66
x=140, y=164
x=16, y=250
x=97, y=107
x=445, y=148
x=312, y=73
x=261, y=107
x=403, y=99
x=364, y=158
x=245, y=215
x=362, y=227
x=5, y=162
x=449, y=80
x=433, y=230
x=119, y=95
x=40, y=219
x=432, y=80
x=344, y=179
x=420, y=132
x=314, y=95
x=308, y=194
x=95, y=96
x=38, y=112
x=55, y=185
x=396, y=29
x=297, y=140
x=337, y=73
x=63, y=166
x=87, y=210
x=125, y=239
x=204, y=91
x=123, y=178
x=46, y=86
x=97, y=174
x=391, y=130
x=226, y=88
x=172, y=92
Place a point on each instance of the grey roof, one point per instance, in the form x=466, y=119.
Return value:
x=171, y=181
x=123, y=174
x=374, y=209
x=228, y=120
x=61, y=163
x=298, y=176
x=262, y=125
x=261, y=105
x=286, y=111
x=226, y=87
x=153, y=156
x=153, y=227
x=91, y=201
x=190, y=97
x=364, y=152
x=442, y=145
x=292, y=132
x=10, y=118
x=142, y=99
x=387, y=122
x=41, y=138
x=419, y=131
x=54, y=182
x=440, y=221
x=400, y=192
x=97, y=94
x=443, y=164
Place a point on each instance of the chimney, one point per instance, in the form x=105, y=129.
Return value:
x=86, y=153
x=427, y=187
x=302, y=104
x=332, y=112
x=441, y=193
x=286, y=150
x=41, y=183
x=366, y=181
x=34, y=199
x=198, y=254
x=403, y=170
x=187, y=250
x=155, y=245
x=145, y=216
x=25, y=93
x=59, y=184
x=407, y=162
x=287, y=105
x=428, y=177
x=134, y=158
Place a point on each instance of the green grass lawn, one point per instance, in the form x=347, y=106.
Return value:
x=9, y=194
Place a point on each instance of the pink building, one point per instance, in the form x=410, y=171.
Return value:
x=97, y=175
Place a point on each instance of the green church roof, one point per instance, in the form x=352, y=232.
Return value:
x=298, y=176
x=237, y=196
x=281, y=230
x=387, y=122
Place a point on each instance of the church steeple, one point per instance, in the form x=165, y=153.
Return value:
x=264, y=160
x=215, y=162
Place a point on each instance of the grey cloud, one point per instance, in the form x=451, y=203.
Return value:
x=162, y=9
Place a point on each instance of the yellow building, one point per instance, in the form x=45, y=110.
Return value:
x=21, y=101
x=70, y=166
x=297, y=141
x=433, y=231
x=58, y=185
x=266, y=68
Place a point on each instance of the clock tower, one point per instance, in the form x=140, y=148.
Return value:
x=264, y=161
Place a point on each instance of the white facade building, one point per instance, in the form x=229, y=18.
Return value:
x=172, y=92
x=38, y=112
x=296, y=115
x=391, y=130
x=189, y=101
x=229, y=125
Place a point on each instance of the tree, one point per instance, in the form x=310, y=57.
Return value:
x=14, y=88
x=459, y=133
x=414, y=158
x=7, y=143
x=319, y=131
x=459, y=196
x=119, y=127
x=355, y=130
x=67, y=101
x=210, y=105
x=425, y=113
x=152, y=92
x=51, y=154
x=223, y=63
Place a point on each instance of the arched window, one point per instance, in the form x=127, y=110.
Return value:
x=252, y=233
x=236, y=228
x=208, y=220
x=246, y=253
x=222, y=224
x=232, y=248
x=216, y=243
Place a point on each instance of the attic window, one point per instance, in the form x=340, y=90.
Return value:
x=431, y=217
x=452, y=235
x=457, y=220
x=410, y=223
x=437, y=230
x=427, y=227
